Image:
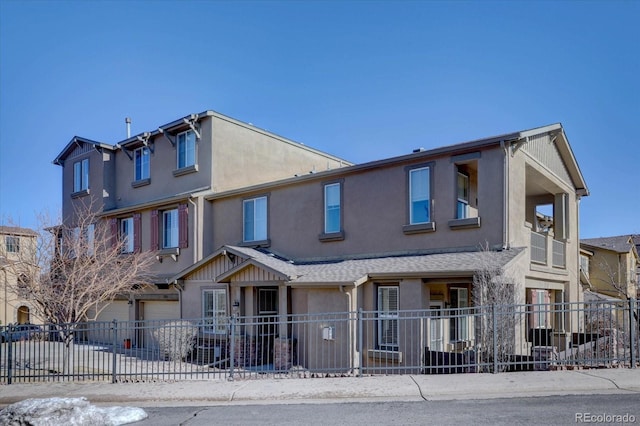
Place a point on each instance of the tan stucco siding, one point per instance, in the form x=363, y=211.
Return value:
x=375, y=209
x=162, y=164
x=244, y=156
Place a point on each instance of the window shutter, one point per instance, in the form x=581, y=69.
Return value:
x=155, y=227
x=113, y=223
x=183, y=225
x=137, y=234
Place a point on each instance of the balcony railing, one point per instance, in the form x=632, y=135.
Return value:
x=546, y=250
x=558, y=258
x=538, y=248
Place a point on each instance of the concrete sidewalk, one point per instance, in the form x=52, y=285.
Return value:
x=349, y=389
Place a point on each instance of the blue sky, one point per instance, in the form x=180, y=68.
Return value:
x=361, y=80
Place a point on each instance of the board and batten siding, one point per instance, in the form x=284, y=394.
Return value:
x=542, y=149
x=214, y=269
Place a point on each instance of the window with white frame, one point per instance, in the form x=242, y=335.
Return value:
x=75, y=242
x=255, y=219
x=214, y=310
x=90, y=239
x=81, y=175
x=540, y=313
x=170, y=228
x=388, y=317
x=186, y=142
x=419, y=196
x=462, y=206
x=459, y=324
x=126, y=234
x=12, y=244
x=82, y=241
x=332, y=208
x=141, y=163
x=584, y=265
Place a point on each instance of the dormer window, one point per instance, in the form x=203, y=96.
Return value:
x=141, y=158
x=186, y=147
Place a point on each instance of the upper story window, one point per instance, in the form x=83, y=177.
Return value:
x=81, y=175
x=255, y=219
x=466, y=214
x=170, y=228
x=332, y=209
x=141, y=163
x=186, y=142
x=82, y=241
x=584, y=265
x=214, y=310
x=462, y=186
x=388, y=306
x=12, y=244
x=126, y=234
x=419, y=195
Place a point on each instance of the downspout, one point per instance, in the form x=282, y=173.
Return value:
x=352, y=331
x=505, y=196
x=196, y=246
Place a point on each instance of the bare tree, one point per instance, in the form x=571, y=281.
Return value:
x=494, y=294
x=77, y=269
x=614, y=279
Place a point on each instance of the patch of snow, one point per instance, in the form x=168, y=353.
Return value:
x=68, y=411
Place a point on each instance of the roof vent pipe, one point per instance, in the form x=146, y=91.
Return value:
x=128, y=121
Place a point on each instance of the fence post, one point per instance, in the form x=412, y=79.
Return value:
x=360, y=326
x=494, y=320
x=113, y=354
x=10, y=354
x=633, y=323
x=232, y=344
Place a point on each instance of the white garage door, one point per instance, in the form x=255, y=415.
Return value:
x=160, y=310
x=156, y=313
x=101, y=331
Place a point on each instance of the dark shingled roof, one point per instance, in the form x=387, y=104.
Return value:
x=618, y=244
x=354, y=270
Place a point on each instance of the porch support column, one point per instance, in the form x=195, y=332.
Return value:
x=236, y=297
x=282, y=311
x=248, y=301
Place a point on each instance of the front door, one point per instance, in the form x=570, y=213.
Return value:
x=267, y=322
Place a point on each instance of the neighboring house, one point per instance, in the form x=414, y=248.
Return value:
x=150, y=188
x=613, y=264
x=245, y=222
x=403, y=233
x=17, y=260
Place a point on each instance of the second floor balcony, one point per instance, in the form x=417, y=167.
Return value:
x=548, y=251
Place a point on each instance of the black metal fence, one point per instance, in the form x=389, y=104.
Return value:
x=435, y=341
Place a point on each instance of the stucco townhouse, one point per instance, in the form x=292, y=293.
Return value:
x=247, y=223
